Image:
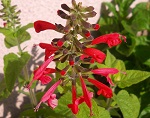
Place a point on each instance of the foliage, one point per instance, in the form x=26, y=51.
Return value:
x=131, y=84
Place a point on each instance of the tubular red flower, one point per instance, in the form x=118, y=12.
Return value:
x=75, y=101
x=86, y=95
x=103, y=89
x=41, y=73
x=95, y=54
x=105, y=72
x=112, y=39
x=49, y=49
x=49, y=97
x=43, y=25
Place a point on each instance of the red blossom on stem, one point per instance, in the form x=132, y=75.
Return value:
x=50, y=97
x=49, y=49
x=105, y=72
x=86, y=95
x=112, y=39
x=96, y=54
x=75, y=102
x=43, y=25
x=41, y=73
x=103, y=89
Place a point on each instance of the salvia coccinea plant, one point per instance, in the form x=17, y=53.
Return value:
x=76, y=47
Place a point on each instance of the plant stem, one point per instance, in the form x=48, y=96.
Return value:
x=26, y=76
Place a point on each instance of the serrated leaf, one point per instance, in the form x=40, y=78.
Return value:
x=128, y=104
x=13, y=66
x=11, y=40
x=98, y=112
x=62, y=108
x=133, y=77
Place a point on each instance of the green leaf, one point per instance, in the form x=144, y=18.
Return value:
x=145, y=113
x=24, y=28
x=62, y=108
x=127, y=48
x=112, y=62
x=128, y=104
x=12, y=40
x=13, y=66
x=5, y=31
x=98, y=112
x=133, y=77
x=62, y=65
x=128, y=28
x=141, y=20
x=124, y=6
x=4, y=93
x=108, y=24
x=112, y=8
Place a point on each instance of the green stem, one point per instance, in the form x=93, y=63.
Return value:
x=108, y=102
x=26, y=76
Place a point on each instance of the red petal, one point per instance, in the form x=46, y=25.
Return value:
x=43, y=25
x=95, y=53
x=104, y=90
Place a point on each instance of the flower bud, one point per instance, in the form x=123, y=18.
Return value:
x=71, y=61
x=74, y=3
x=86, y=24
x=62, y=14
x=86, y=33
x=89, y=9
x=95, y=26
x=65, y=7
x=90, y=14
x=64, y=71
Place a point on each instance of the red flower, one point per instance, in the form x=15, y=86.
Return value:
x=96, y=54
x=103, y=89
x=43, y=25
x=75, y=101
x=112, y=39
x=105, y=72
x=86, y=95
x=49, y=49
x=41, y=73
x=49, y=97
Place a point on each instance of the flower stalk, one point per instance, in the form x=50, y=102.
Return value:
x=75, y=52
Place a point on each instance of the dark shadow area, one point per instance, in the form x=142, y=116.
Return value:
x=9, y=104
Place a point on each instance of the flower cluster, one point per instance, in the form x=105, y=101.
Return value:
x=75, y=52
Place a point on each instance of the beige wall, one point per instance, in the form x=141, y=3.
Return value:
x=33, y=10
